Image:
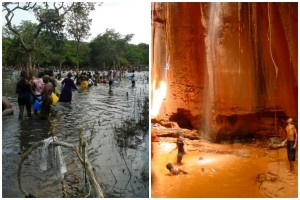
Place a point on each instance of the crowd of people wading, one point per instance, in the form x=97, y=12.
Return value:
x=40, y=90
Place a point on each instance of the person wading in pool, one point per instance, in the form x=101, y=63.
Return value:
x=181, y=149
x=291, y=141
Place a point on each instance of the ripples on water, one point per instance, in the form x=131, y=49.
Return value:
x=210, y=175
x=94, y=111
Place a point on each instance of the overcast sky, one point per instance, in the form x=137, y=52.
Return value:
x=126, y=17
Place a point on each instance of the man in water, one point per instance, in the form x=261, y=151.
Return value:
x=132, y=80
x=175, y=171
x=291, y=140
x=111, y=76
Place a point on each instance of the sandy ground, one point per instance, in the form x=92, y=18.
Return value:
x=223, y=169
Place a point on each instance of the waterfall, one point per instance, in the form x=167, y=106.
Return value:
x=211, y=42
x=274, y=63
x=270, y=44
x=161, y=63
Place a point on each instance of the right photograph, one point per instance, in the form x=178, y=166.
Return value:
x=224, y=99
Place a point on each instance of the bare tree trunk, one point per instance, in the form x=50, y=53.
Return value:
x=29, y=61
x=77, y=54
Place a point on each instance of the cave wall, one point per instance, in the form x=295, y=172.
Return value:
x=226, y=61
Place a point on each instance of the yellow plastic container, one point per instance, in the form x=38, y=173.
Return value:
x=84, y=85
x=54, y=98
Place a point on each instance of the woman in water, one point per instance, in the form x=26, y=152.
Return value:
x=67, y=84
x=23, y=90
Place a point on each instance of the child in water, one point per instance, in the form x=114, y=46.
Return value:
x=175, y=171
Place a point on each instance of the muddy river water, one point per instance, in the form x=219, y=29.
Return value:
x=223, y=170
x=95, y=112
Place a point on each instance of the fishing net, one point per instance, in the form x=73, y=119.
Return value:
x=81, y=181
x=52, y=158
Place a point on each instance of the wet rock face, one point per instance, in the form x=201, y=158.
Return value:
x=228, y=64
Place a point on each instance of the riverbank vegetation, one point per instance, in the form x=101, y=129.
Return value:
x=56, y=39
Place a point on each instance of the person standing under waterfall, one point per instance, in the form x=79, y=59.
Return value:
x=291, y=141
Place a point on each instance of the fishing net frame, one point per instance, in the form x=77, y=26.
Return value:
x=82, y=156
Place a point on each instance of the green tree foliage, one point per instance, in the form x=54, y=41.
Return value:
x=107, y=49
x=113, y=49
x=49, y=49
x=50, y=17
x=12, y=53
x=138, y=54
x=78, y=23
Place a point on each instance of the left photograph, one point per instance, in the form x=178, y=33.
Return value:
x=75, y=99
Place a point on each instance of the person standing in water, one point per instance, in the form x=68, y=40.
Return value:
x=67, y=84
x=111, y=76
x=132, y=80
x=23, y=90
x=291, y=141
x=181, y=149
x=46, y=97
x=58, y=88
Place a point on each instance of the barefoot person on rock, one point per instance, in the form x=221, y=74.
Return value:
x=291, y=141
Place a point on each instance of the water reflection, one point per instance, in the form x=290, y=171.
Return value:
x=95, y=112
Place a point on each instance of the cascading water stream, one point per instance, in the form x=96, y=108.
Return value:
x=159, y=84
x=211, y=42
x=274, y=63
x=240, y=49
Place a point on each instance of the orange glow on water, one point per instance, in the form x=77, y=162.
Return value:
x=158, y=95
